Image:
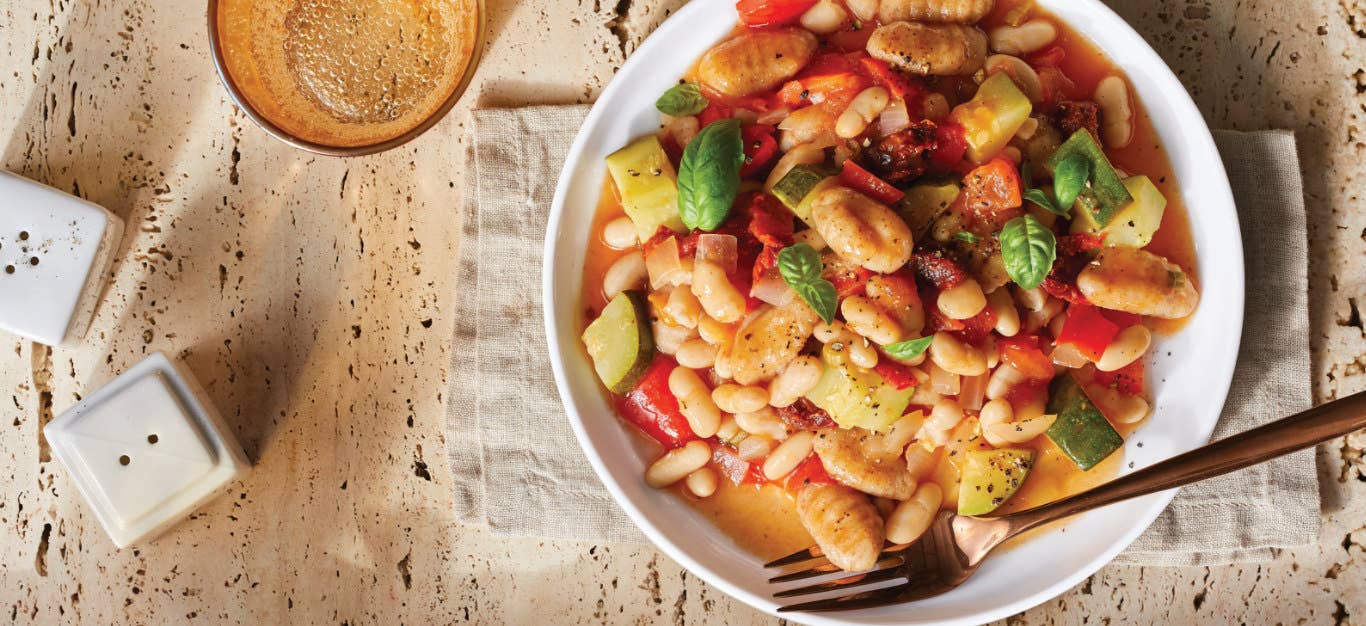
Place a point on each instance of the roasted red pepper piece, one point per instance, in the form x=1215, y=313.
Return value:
x=803, y=415
x=714, y=111
x=759, y=13
x=895, y=82
x=868, y=184
x=939, y=271
x=895, y=374
x=1022, y=353
x=1128, y=380
x=760, y=148
x=950, y=145
x=769, y=221
x=810, y=472
x=652, y=408
x=1087, y=330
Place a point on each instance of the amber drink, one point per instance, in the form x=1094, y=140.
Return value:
x=346, y=76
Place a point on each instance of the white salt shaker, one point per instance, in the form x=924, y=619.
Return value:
x=55, y=252
x=146, y=450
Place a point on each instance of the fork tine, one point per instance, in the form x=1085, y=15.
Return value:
x=805, y=554
x=866, y=599
x=828, y=568
x=814, y=552
x=877, y=576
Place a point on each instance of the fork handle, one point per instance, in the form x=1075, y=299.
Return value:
x=1297, y=432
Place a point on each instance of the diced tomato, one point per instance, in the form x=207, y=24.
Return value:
x=652, y=408
x=770, y=222
x=1022, y=353
x=992, y=193
x=1087, y=330
x=759, y=13
x=734, y=468
x=952, y=145
x=939, y=271
x=936, y=319
x=837, y=89
x=1027, y=392
x=1048, y=57
x=1129, y=380
x=896, y=374
x=895, y=82
x=810, y=472
x=1079, y=243
x=851, y=282
x=714, y=111
x=870, y=185
x=1056, y=85
x=760, y=148
x=977, y=328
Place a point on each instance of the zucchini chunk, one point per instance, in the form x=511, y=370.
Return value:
x=857, y=397
x=798, y=185
x=648, y=185
x=620, y=342
x=990, y=477
x=1081, y=430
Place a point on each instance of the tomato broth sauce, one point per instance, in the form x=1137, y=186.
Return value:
x=762, y=519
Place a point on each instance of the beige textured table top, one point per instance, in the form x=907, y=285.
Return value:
x=312, y=296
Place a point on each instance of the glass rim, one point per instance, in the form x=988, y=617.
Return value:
x=242, y=103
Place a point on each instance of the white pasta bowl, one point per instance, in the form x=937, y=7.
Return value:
x=1191, y=373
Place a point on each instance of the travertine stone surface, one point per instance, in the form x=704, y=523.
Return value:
x=312, y=297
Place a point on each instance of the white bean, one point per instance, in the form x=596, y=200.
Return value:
x=1031, y=299
x=694, y=401
x=935, y=107
x=714, y=332
x=1007, y=316
x=669, y=338
x=754, y=447
x=810, y=237
x=962, y=301
x=676, y=464
x=862, y=353
x=955, y=356
x=762, y=422
x=1021, y=73
x=683, y=307
x=702, y=482
x=788, y=455
x=628, y=272
x=1002, y=380
x=913, y=517
x=1026, y=38
x=696, y=354
x=1022, y=431
x=1116, y=113
x=728, y=429
x=826, y=333
x=1127, y=347
x=824, y=17
x=799, y=377
x=862, y=110
x=868, y=319
x=719, y=297
x=620, y=233
x=1119, y=407
x=994, y=413
x=733, y=398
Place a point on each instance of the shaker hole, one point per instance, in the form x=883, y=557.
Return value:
x=124, y=460
x=151, y=438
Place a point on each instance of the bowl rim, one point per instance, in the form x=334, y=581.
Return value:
x=244, y=104
x=1202, y=141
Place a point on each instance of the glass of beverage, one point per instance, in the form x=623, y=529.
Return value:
x=346, y=77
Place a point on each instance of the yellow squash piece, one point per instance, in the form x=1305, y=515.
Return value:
x=1132, y=226
x=992, y=117
x=648, y=185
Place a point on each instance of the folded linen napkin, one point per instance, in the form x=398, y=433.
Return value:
x=518, y=468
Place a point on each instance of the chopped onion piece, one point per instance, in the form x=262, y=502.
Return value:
x=772, y=289
x=774, y=116
x=664, y=265
x=723, y=250
x=971, y=391
x=894, y=118
x=944, y=382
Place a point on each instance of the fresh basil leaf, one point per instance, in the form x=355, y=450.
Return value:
x=1028, y=249
x=907, y=350
x=709, y=175
x=1069, y=179
x=801, y=267
x=682, y=99
x=1041, y=198
x=964, y=235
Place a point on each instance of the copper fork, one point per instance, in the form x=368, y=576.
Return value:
x=950, y=551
